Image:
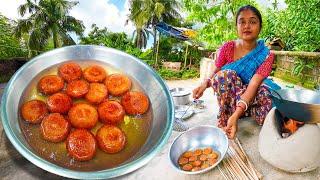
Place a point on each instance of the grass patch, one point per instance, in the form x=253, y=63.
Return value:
x=295, y=80
x=178, y=75
x=169, y=74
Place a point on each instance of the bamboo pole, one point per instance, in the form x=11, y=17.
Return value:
x=185, y=57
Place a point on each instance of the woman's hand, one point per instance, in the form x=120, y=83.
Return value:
x=198, y=92
x=232, y=126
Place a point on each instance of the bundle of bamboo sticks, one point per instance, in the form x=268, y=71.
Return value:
x=236, y=164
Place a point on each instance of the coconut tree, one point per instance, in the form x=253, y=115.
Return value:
x=48, y=20
x=145, y=14
x=139, y=19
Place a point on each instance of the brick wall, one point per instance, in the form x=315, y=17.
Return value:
x=284, y=64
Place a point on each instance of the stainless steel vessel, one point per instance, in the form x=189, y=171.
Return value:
x=198, y=137
x=300, y=105
x=181, y=96
x=150, y=81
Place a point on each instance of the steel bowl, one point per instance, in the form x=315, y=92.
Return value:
x=199, y=137
x=156, y=89
x=181, y=96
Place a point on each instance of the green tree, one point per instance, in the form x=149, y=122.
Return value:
x=299, y=26
x=9, y=45
x=270, y=23
x=107, y=38
x=48, y=19
x=145, y=14
x=118, y=41
x=217, y=19
x=170, y=49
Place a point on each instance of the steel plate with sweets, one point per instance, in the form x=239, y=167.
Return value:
x=57, y=112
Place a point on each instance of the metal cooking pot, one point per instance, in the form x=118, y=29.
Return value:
x=181, y=96
x=300, y=105
x=150, y=81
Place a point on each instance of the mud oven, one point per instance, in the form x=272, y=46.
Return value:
x=290, y=136
x=297, y=151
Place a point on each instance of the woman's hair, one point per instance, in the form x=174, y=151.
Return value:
x=253, y=9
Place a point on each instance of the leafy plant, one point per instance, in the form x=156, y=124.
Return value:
x=107, y=38
x=169, y=74
x=173, y=75
x=120, y=41
x=188, y=74
x=301, y=65
x=298, y=25
x=270, y=19
x=217, y=19
x=146, y=56
x=302, y=19
x=9, y=45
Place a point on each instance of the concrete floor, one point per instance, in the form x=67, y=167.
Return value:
x=14, y=166
x=248, y=133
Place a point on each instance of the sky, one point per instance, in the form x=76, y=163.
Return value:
x=104, y=13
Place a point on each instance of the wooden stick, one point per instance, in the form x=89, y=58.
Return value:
x=229, y=166
x=238, y=170
x=237, y=147
x=237, y=165
x=246, y=159
x=258, y=174
x=243, y=165
x=250, y=164
x=223, y=174
x=232, y=160
x=228, y=171
x=239, y=151
x=232, y=169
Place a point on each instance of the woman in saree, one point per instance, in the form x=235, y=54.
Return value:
x=238, y=77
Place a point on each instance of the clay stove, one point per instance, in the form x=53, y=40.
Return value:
x=286, y=126
x=299, y=152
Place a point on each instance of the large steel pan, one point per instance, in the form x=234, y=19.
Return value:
x=301, y=105
x=156, y=89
